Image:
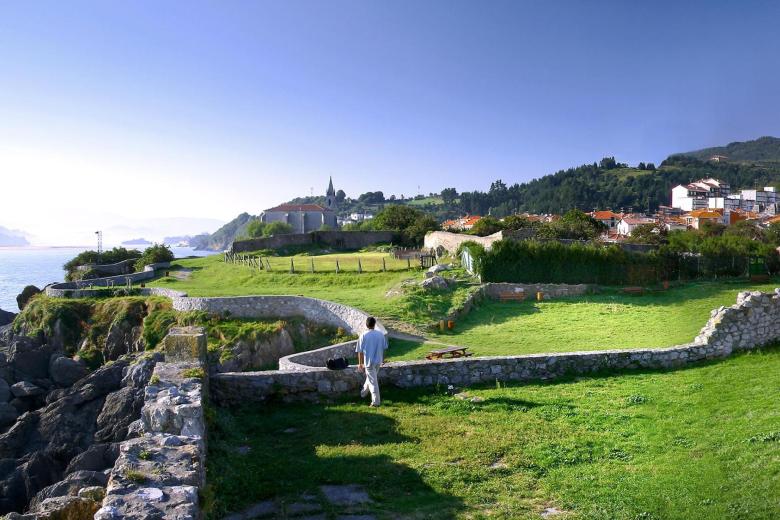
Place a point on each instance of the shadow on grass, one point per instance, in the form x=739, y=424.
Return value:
x=295, y=449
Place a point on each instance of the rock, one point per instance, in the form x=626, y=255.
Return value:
x=24, y=297
x=264, y=509
x=21, y=405
x=36, y=472
x=95, y=458
x=26, y=389
x=65, y=371
x=28, y=359
x=435, y=282
x=123, y=337
x=119, y=410
x=69, y=487
x=6, y=317
x=5, y=391
x=67, y=508
x=95, y=493
x=8, y=414
x=439, y=268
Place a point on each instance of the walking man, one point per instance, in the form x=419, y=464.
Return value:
x=371, y=346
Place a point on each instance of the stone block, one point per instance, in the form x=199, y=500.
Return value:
x=185, y=344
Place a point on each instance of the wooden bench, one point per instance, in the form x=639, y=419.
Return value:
x=511, y=296
x=634, y=290
x=449, y=352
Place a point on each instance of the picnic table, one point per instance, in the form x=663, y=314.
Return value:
x=449, y=352
x=515, y=296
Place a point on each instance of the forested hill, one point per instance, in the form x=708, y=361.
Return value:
x=609, y=184
x=758, y=150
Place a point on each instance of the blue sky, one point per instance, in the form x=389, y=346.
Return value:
x=206, y=109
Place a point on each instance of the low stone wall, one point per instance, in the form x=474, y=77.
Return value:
x=548, y=290
x=317, y=358
x=81, y=289
x=334, y=239
x=123, y=267
x=752, y=322
x=319, y=311
x=159, y=473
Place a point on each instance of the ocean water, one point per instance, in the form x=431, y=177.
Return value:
x=39, y=266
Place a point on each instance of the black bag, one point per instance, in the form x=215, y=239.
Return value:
x=337, y=363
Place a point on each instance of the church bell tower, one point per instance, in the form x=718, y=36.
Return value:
x=330, y=197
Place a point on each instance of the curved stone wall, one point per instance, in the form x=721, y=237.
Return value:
x=752, y=322
x=320, y=311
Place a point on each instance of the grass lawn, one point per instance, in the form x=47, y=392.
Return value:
x=699, y=443
x=210, y=276
x=597, y=322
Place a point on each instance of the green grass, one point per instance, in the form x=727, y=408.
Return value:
x=699, y=443
x=211, y=276
x=596, y=322
x=436, y=201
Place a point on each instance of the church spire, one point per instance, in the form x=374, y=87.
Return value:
x=331, y=192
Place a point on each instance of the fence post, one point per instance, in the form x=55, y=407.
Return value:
x=337, y=267
x=292, y=265
x=312, y=265
x=360, y=266
x=268, y=264
x=408, y=263
x=384, y=267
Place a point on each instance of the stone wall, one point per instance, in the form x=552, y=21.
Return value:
x=319, y=311
x=752, y=322
x=451, y=241
x=80, y=289
x=123, y=267
x=334, y=239
x=548, y=290
x=159, y=473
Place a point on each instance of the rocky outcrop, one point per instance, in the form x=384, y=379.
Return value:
x=23, y=297
x=255, y=354
x=51, y=452
x=6, y=317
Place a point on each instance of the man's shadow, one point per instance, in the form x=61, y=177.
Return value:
x=295, y=449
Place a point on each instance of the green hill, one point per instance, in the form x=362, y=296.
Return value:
x=763, y=149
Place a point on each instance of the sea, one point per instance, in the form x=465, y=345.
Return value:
x=39, y=266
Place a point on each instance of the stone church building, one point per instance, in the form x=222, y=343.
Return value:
x=305, y=217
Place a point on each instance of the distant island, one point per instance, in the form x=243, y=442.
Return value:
x=136, y=242
x=12, y=237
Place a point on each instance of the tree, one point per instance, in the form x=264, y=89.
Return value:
x=515, y=222
x=340, y=196
x=747, y=229
x=277, y=228
x=411, y=223
x=448, y=195
x=641, y=166
x=648, y=234
x=255, y=228
x=607, y=163
x=486, y=226
x=153, y=255
x=574, y=225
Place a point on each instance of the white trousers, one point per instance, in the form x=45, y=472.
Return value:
x=372, y=384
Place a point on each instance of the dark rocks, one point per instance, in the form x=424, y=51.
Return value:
x=5, y=391
x=95, y=458
x=6, y=317
x=119, y=410
x=66, y=508
x=29, y=359
x=123, y=337
x=24, y=296
x=62, y=430
x=8, y=414
x=26, y=389
x=66, y=371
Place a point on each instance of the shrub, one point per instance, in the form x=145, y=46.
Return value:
x=112, y=256
x=154, y=254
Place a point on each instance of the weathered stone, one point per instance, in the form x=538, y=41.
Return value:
x=95, y=493
x=25, y=389
x=65, y=371
x=8, y=414
x=345, y=495
x=6, y=317
x=5, y=391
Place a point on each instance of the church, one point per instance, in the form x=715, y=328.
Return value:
x=305, y=217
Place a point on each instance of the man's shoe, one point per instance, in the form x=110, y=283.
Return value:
x=363, y=392
x=372, y=405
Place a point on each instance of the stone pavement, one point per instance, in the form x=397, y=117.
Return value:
x=334, y=502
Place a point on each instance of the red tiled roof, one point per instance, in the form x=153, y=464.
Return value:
x=298, y=207
x=605, y=215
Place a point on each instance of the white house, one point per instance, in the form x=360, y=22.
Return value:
x=628, y=224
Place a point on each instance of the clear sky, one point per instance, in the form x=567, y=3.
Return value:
x=112, y=111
